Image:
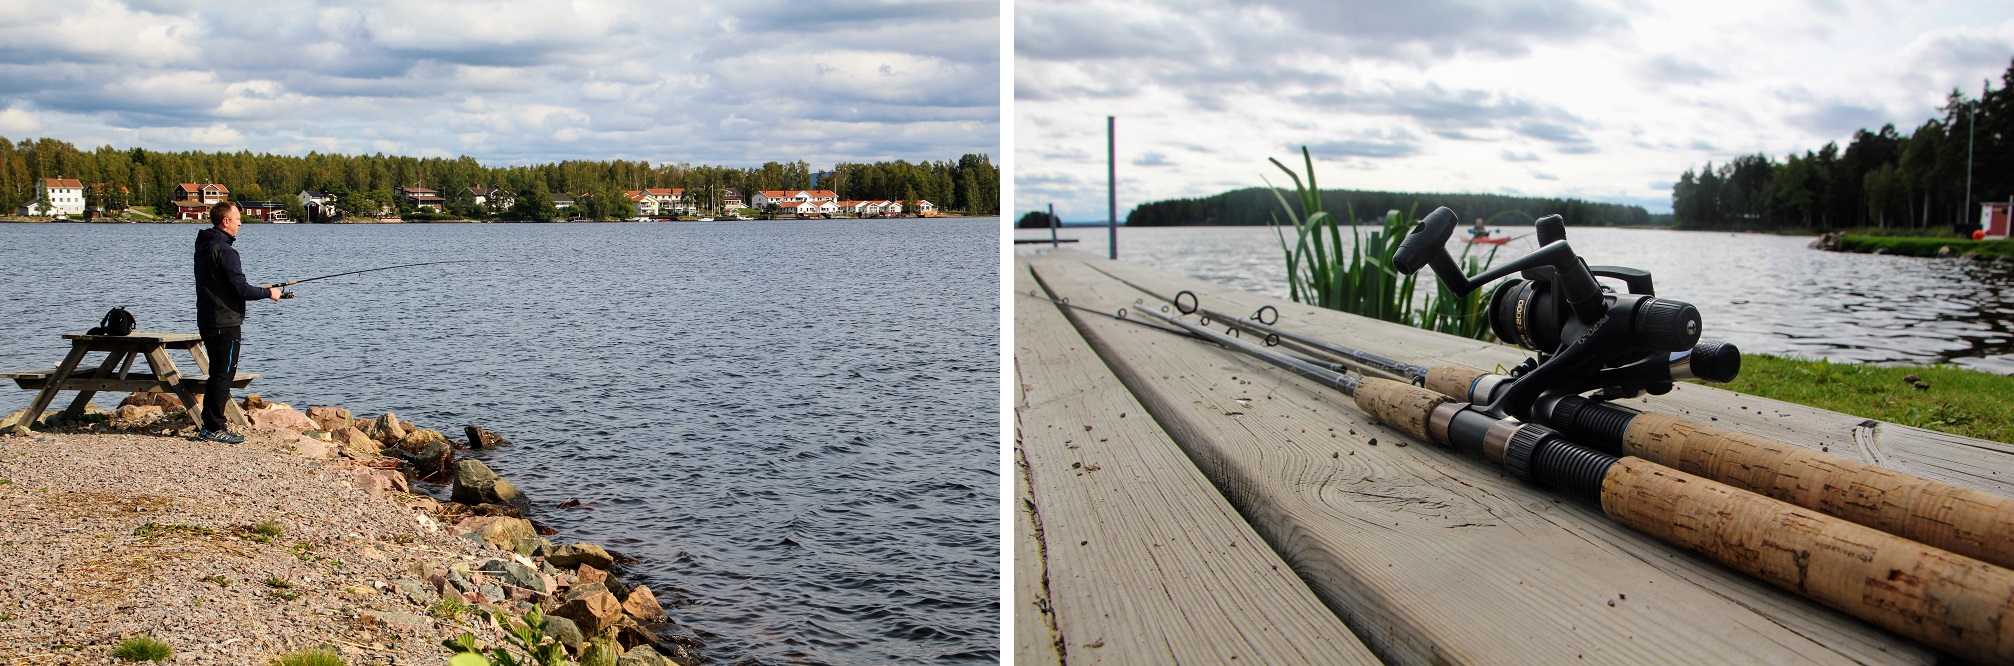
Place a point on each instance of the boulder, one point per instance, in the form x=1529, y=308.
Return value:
x=578, y=553
x=579, y=591
x=498, y=531
x=515, y=574
x=417, y=440
x=428, y=463
x=313, y=449
x=643, y=655
x=593, y=612
x=380, y=482
x=355, y=443
x=331, y=419
x=1944, y=251
x=284, y=418
x=136, y=413
x=642, y=605
x=168, y=402
x=253, y=402
x=588, y=574
x=476, y=484
x=564, y=631
x=483, y=439
x=387, y=429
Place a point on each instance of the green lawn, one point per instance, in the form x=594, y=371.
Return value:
x=1958, y=401
x=1925, y=247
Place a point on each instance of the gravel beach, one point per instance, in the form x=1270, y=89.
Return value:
x=106, y=536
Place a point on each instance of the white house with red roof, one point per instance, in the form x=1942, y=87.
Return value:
x=786, y=197
x=65, y=197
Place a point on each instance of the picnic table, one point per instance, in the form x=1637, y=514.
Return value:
x=115, y=373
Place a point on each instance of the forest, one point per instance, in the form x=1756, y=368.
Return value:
x=1883, y=179
x=1258, y=206
x=361, y=182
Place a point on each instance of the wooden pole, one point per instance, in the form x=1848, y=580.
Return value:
x=1053, y=241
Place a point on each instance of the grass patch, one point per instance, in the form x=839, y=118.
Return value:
x=1926, y=247
x=277, y=583
x=142, y=648
x=1962, y=402
x=219, y=581
x=316, y=657
x=152, y=530
x=267, y=528
x=449, y=608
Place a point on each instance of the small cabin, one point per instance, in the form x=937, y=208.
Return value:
x=1994, y=222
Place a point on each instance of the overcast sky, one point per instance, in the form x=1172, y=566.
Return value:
x=735, y=83
x=1596, y=99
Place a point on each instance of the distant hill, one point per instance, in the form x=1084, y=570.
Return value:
x=1258, y=206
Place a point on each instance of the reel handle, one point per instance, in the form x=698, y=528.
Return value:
x=286, y=295
x=1427, y=245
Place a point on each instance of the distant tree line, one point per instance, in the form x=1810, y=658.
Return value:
x=363, y=182
x=1882, y=179
x=1258, y=206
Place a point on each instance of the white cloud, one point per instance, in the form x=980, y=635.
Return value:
x=1610, y=96
x=515, y=81
x=16, y=121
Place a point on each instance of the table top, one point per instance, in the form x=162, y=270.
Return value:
x=140, y=337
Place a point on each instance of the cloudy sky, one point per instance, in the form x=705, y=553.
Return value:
x=511, y=82
x=1608, y=100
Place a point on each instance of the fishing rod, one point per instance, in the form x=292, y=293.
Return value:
x=1121, y=315
x=1969, y=522
x=289, y=283
x=1955, y=603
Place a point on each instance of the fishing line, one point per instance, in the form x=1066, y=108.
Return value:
x=290, y=283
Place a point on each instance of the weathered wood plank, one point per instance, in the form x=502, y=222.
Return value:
x=1145, y=561
x=1971, y=463
x=1432, y=557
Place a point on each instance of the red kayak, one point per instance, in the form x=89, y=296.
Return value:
x=1486, y=240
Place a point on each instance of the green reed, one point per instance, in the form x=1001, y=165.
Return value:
x=1359, y=278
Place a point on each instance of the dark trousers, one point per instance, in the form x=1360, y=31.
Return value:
x=222, y=346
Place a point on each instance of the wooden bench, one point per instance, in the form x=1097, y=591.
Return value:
x=132, y=382
x=115, y=373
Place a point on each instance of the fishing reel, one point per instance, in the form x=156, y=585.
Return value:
x=1587, y=335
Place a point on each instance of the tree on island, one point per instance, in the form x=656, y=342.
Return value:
x=1035, y=219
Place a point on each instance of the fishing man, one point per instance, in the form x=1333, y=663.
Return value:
x=221, y=292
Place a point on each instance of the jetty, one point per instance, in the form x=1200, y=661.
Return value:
x=1177, y=502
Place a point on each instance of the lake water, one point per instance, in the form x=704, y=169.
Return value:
x=794, y=425
x=1765, y=293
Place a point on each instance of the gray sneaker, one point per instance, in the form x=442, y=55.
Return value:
x=218, y=436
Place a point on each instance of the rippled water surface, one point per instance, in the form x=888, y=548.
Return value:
x=1767, y=294
x=792, y=424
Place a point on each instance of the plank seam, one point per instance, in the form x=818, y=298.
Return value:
x=1042, y=598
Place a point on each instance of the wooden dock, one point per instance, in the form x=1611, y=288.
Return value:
x=1181, y=503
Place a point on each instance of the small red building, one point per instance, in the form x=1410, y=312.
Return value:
x=1994, y=219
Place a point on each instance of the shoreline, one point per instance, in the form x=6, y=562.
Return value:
x=311, y=534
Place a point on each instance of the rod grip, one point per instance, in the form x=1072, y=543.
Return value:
x=1457, y=381
x=1402, y=406
x=1968, y=522
x=1949, y=601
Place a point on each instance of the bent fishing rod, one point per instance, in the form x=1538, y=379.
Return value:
x=1955, y=603
x=289, y=283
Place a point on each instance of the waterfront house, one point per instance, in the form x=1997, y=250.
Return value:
x=646, y=206
x=205, y=194
x=269, y=211
x=65, y=197
x=924, y=207
x=562, y=201
x=786, y=197
x=850, y=206
x=319, y=205
x=482, y=197
x=420, y=198
x=730, y=199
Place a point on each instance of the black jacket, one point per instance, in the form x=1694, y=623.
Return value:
x=221, y=290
